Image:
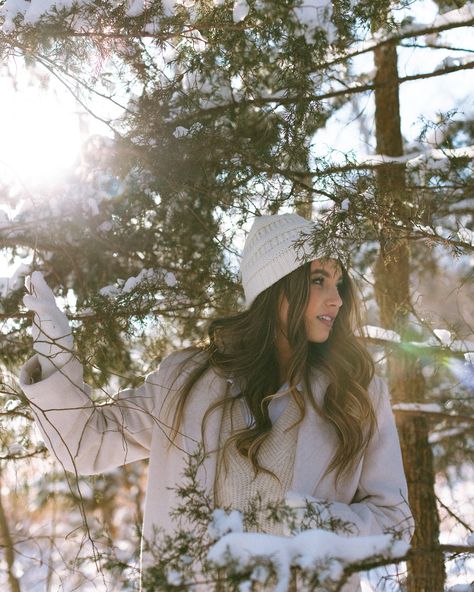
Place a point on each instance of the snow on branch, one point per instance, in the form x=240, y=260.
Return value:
x=425, y=407
x=145, y=276
x=431, y=158
x=308, y=14
x=435, y=412
x=441, y=338
x=15, y=282
x=326, y=553
x=458, y=16
x=380, y=334
x=462, y=17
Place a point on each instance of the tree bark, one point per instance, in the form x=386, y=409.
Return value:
x=426, y=571
x=6, y=543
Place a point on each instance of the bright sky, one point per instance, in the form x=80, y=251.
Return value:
x=40, y=137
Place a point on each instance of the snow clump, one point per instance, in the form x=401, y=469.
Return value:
x=15, y=282
x=223, y=523
x=146, y=275
x=325, y=551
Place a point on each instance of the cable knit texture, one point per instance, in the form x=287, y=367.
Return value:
x=236, y=482
x=270, y=253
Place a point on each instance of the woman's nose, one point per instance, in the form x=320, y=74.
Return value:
x=334, y=298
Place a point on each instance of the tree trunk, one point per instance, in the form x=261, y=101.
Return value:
x=6, y=543
x=426, y=571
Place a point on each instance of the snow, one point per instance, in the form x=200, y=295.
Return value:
x=105, y=226
x=240, y=10
x=458, y=16
x=310, y=14
x=315, y=14
x=174, y=578
x=470, y=539
x=428, y=157
x=325, y=551
x=461, y=588
x=436, y=135
x=463, y=371
x=424, y=407
x=168, y=7
x=455, y=346
x=170, y=279
x=12, y=404
x=16, y=449
x=223, y=523
x=464, y=204
x=443, y=335
x=31, y=11
x=10, y=10
x=436, y=156
x=135, y=8
x=15, y=282
x=180, y=131
x=373, y=332
x=466, y=236
x=126, y=286
x=454, y=61
x=436, y=437
x=130, y=284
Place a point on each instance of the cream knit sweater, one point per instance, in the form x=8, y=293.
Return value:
x=236, y=485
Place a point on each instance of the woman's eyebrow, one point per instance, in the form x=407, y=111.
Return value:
x=324, y=273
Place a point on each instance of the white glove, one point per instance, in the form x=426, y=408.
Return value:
x=52, y=336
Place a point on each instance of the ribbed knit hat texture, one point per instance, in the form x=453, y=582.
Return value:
x=269, y=252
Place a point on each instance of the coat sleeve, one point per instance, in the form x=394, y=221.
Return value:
x=90, y=438
x=381, y=502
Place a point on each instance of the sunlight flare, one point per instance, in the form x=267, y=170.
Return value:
x=40, y=139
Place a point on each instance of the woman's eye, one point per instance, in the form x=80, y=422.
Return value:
x=318, y=281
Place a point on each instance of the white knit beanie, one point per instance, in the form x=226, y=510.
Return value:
x=269, y=252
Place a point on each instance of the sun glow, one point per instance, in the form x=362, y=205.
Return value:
x=40, y=135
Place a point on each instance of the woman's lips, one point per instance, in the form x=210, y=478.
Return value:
x=326, y=320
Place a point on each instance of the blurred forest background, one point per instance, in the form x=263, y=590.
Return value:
x=192, y=117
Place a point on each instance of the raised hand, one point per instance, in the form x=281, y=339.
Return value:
x=52, y=336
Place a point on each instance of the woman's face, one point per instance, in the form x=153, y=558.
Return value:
x=324, y=300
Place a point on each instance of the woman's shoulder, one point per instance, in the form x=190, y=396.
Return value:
x=184, y=360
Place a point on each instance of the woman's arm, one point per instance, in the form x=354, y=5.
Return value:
x=85, y=437
x=89, y=438
x=381, y=501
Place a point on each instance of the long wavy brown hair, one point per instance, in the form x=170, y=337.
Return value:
x=243, y=347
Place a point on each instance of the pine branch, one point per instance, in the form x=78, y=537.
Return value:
x=453, y=515
x=407, y=33
x=298, y=99
x=436, y=46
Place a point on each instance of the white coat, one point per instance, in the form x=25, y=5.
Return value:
x=90, y=439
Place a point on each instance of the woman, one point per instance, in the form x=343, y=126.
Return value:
x=282, y=398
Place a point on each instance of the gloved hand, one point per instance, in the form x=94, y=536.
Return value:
x=52, y=336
